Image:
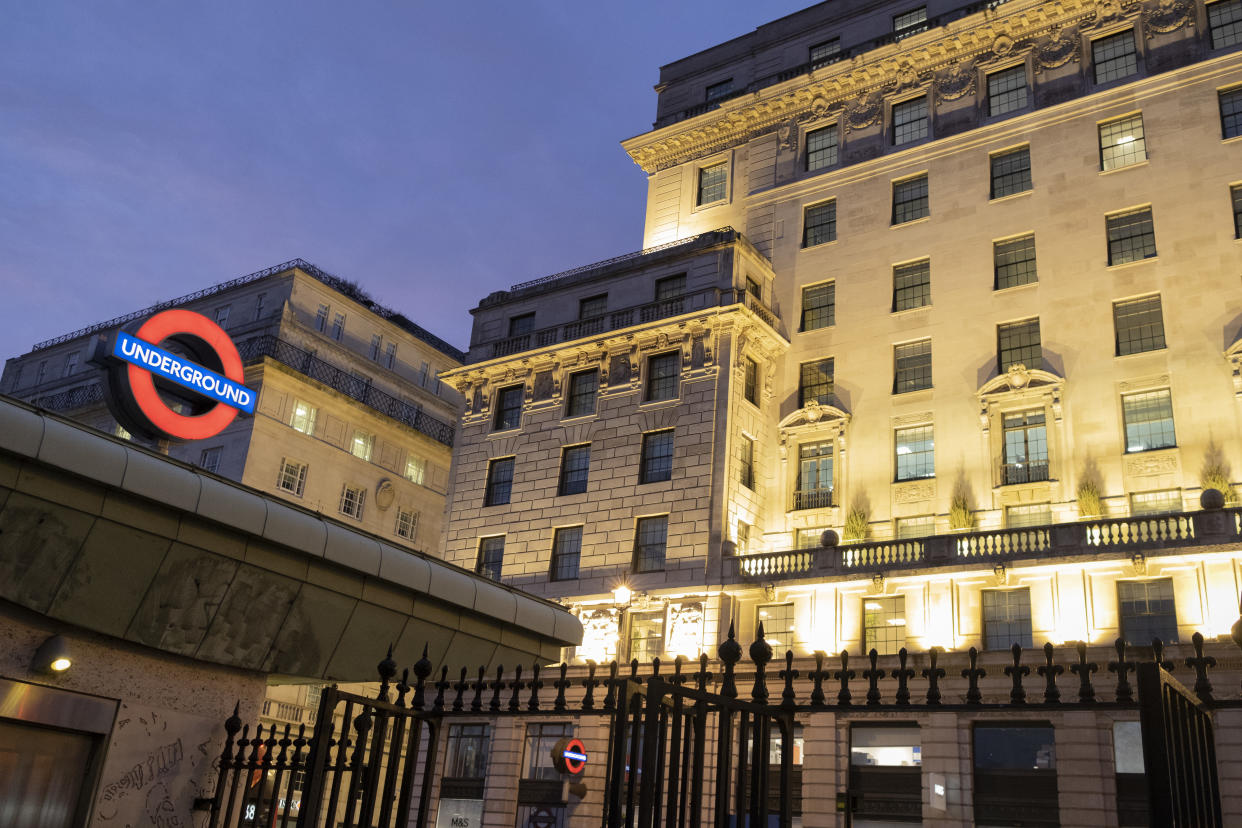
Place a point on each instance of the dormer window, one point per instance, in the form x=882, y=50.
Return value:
x=720, y=91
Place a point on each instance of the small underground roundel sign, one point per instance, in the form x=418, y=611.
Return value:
x=569, y=756
x=176, y=358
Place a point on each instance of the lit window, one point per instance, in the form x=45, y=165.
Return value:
x=209, y=460
x=259, y=301
x=508, y=408
x=662, y=376
x=1006, y=618
x=754, y=288
x=363, y=445
x=646, y=635
x=819, y=306
x=1139, y=325
x=415, y=470
x=656, y=464
x=1025, y=449
x=123, y=433
x=338, y=326
x=809, y=538
x=821, y=148
x=1236, y=193
x=222, y=315
x=581, y=398
x=499, y=482
x=522, y=324
x=1122, y=142
x=407, y=524
x=566, y=552
x=1131, y=236
x=1017, y=343
x=746, y=462
x=884, y=624
x=814, y=490
x=593, y=306
x=575, y=468
x=1114, y=57
x=1014, y=262
x=916, y=527
x=352, y=498
x=670, y=287
x=743, y=537
x=916, y=453
x=1147, y=611
x=466, y=755
x=1148, y=420
x=720, y=90
x=303, y=417
x=910, y=200
x=1231, y=112
x=537, y=764
x=1156, y=503
x=819, y=224
x=491, y=557
x=825, y=53
x=1007, y=90
x=778, y=626
x=292, y=476
x=712, y=182
x=1028, y=514
x=909, y=121
x=912, y=366
x=911, y=22
x=321, y=318
x=390, y=355
x=1011, y=172
x=750, y=383
x=1225, y=23
x=911, y=285
x=650, y=539
x=815, y=382
x=71, y=363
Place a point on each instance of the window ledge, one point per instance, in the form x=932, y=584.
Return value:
x=1011, y=288
x=909, y=394
x=1234, y=139
x=817, y=246
x=1144, y=163
x=920, y=220
x=508, y=432
x=910, y=311
x=1143, y=353
x=1011, y=196
x=1124, y=265
x=580, y=418
x=1151, y=450
x=650, y=404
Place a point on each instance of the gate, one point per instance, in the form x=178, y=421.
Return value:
x=1179, y=752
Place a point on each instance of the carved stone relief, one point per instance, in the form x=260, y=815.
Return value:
x=1144, y=465
x=1057, y=50
x=543, y=386
x=619, y=369
x=1167, y=16
x=956, y=82
x=864, y=112
x=915, y=492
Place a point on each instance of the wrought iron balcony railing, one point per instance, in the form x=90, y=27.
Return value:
x=1032, y=472
x=812, y=499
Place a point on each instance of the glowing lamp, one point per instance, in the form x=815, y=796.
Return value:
x=622, y=595
x=53, y=656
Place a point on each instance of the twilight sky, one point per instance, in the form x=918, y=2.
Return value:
x=433, y=152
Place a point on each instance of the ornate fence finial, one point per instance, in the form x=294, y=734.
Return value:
x=873, y=676
x=1049, y=672
x=1017, y=695
x=933, y=674
x=1157, y=651
x=386, y=669
x=844, y=675
x=972, y=674
x=459, y=691
x=703, y=676
x=1201, y=663
x=677, y=679
x=535, y=686
x=1125, y=693
x=760, y=654
x=788, y=699
x=730, y=652
x=1083, y=669
x=497, y=686
x=561, y=685
x=516, y=685
x=422, y=669
x=590, y=683
x=655, y=667
x=403, y=687
x=817, y=676
x=610, y=698
x=634, y=669
x=442, y=685
x=476, y=704
x=903, y=676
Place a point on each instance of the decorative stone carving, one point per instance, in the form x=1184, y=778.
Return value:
x=956, y=82
x=543, y=386
x=685, y=629
x=918, y=418
x=1002, y=45
x=915, y=492
x=384, y=495
x=1018, y=376
x=619, y=369
x=600, y=632
x=1143, y=465
x=864, y=112
x=787, y=135
x=1057, y=50
x=1233, y=355
x=1167, y=16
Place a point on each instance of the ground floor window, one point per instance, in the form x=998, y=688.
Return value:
x=886, y=774
x=1015, y=777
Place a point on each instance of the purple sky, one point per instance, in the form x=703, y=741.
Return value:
x=434, y=152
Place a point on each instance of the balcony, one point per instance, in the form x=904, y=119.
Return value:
x=1033, y=472
x=812, y=499
x=1115, y=537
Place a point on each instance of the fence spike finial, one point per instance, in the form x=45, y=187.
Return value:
x=972, y=674
x=873, y=676
x=1017, y=694
x=817, y=690
x=497, y=686
x=422, y=669
x=760, y=655
x=844, y=675
x=441, y=686
x=788, y=699
x=459, y=692
x=730, y=652
x=386, y=669
x=516, y=685
x=1083, y=669
x=476, y=704
x=903, y=676
x=610, y=698
x=1125, y=693
x=1200, y=663
x=403, y=687
x=535, y=686
x=1049, y=672
x=933, y=674
x=1157, y=651
x=590, y=683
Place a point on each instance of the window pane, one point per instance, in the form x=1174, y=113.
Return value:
x=712, y=182
x=820, y=224
x=720, y=90
x=884, y=624
x=815, y=382
x=575, y=467
x=885, y=746
x=491, y=556
x=1007, y=90
x=649, y=544
x=1131, y=236
x=1011, y=172
x=521, y=325
x=908, y=23
x=814, y=484
x=750, y=386
x=916, y=456
x=1122, y=142
x=1018, y=344
x=912, y=368
x=824, y=53
x=1156, y=503
x=1236, y=193
x=819, y=306
x=662, y=376
x=778, y=626
x=657, y=457
x=916, y=527
x=499, y=482
x=1147, y=611
x=646, y=635
x=670, y=287
x=1148, y=420
x=582, y=388
x=1006, y=618
x=1031, y=514
x=1231, y=113
x=821, y=148
x=1025, y=448
x=1225, y=23
x=592, y=306
x=1139, y=325
x=910, y=200
x=911, y=285
x=466, y=756
x=566, y=551
x=909, y=121
x=508, y=408
x=1014, y=262
x=1114, y=57
x=746, y=462
x=1014, y=748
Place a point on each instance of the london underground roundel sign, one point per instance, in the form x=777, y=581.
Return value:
x=569, y=756
x=205, y=373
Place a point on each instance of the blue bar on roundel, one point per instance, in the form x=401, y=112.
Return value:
x=183, y=372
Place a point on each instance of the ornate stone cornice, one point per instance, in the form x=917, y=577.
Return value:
x=944, y=60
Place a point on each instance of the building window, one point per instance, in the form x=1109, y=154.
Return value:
x=491, y=557
x=1014, y=262
x=1156, y=503
x=650, y=540
x=352, y=499
x=390, y=356
x=821, y=148
x=321, y=318
x=465, y=760
x=566, y=552
x=499, y=482
x=1114, y=57
x=222, y=315
x=581, y=398
x=1122, y=142
x=537, y=761
x=521, y=324
x=754, y=288
x=71, y=363
x=778, y=626
x=407, y=524
x=670, y=287
x=338, y=326
x=1139, y=325
x=575, y=467
x=424, y=373
x=815, y=382
x=1007, y=90
x=646, y=635
x=819, y=306
x=908, y=23
x=209, y=460
x=910, y=200
x=662, y=376
x=1148, y=420
x=1017, y=343
x=909, y=121
x=916, y=453
x=750, y=382
x=1231, y=112
x=508, y=408
x=819, y=224
x=362, y=445
x=723, y=89
x=743, y=537
x=1225, y=23
x=1015, y=774
x=912, y=368
x=292, y=477
x=656, y=464
x=1147, y=611
x=884, y=624
x=415, y=470
x=303, y=417
x=1025, y=450
x=746, y=462
x=916, y=527
x=1011, y=172
x=809, y=538
x=825, y=53
x=1006, y=618
x=885, y=762
x=712, y=183
x=593, y=306
x=259, y=301
x=911, y=285
x=1236, y=193
x=1131, y=236
x=814, y=490
x=1028, y=514
x=120, y=431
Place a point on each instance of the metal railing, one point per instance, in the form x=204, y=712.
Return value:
x=71, y=399
x=1032, y=472
x=812, y=499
